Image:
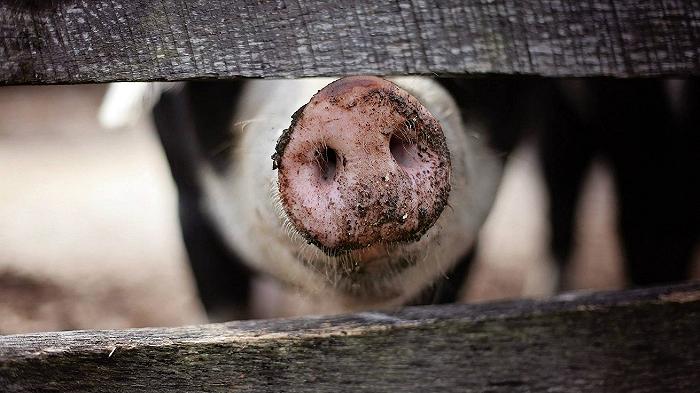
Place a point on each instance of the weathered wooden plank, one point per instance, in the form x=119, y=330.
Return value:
x=75, y=41
x=635, y=341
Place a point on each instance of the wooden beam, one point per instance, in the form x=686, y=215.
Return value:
x=79, y=41
x=635, y=341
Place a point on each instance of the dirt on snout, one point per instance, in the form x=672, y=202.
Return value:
x=387, y=178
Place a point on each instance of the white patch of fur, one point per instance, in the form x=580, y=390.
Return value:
x=245, y=204
x=125, y=103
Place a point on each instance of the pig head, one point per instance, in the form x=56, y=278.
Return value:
x=375, y=192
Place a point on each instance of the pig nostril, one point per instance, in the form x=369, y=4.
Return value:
x=327, y=161
x=403, y=150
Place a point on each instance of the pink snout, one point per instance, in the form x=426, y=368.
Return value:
x=363, y=163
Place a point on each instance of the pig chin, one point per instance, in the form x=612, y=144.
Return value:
x=372, y=274
x=375, y=274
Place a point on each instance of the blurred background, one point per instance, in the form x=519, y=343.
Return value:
x=89, y=236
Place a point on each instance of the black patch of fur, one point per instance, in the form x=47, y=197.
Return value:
x=212, y=105
x=188, y=137
x=654, y=160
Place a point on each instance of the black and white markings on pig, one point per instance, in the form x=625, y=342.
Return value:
x=397, y=222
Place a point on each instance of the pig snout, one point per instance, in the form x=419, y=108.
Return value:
x=363, y=163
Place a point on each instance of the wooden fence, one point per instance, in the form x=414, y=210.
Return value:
x=78, y=41
x=636, y=341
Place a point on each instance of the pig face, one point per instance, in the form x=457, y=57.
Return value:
x=378, y=187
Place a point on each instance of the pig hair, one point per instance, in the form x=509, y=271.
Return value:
x=237, y=131
x=307, y=253
x=342, y=270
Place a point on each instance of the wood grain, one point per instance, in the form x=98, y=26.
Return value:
x=635, y=341
x=79, y=41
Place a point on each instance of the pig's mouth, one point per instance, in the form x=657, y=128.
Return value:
x=371, y=273
x=365, y=273
x=372, y=253
x=360, y=273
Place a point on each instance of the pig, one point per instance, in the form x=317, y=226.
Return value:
x=360, y=192
x=645, y=130
x=236, y=150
